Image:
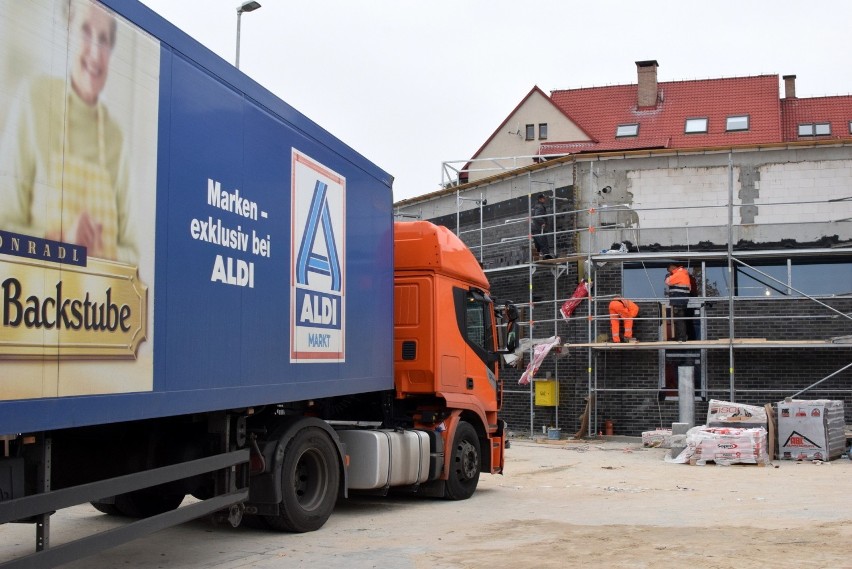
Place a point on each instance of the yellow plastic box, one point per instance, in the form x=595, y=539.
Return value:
x=546, y=392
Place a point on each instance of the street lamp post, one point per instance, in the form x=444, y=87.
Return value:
x=247, y=6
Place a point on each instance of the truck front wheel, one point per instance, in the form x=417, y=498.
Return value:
x=309, y=480
x=464, y=463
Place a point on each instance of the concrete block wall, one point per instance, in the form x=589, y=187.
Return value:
x=660, y=194
x=815, y=182
x=778, y=194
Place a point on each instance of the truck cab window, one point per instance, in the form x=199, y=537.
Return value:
x=475, y=330
x=474, y=313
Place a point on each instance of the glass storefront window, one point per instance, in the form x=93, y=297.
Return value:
x=644, y=282
x=750, y=282
x=818, y=279
x=811, y=278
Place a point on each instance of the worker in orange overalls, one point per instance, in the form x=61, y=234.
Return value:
x=678, y=289
x=626, y=310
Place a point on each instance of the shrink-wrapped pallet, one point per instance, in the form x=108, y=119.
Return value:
x=728, y=414
x=723, y=446
x=811, y=429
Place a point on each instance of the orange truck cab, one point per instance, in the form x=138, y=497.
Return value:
x=445, y=346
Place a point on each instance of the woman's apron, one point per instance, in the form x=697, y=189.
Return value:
x=83, y=186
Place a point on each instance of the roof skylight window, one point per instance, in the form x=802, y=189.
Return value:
x=737, y=122
x=815, y=129
x=627, y=130
x=696, y=125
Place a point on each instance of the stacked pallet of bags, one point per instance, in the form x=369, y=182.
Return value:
x=724, y=446
x=734, y=434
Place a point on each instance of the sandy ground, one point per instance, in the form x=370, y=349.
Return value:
x=560, y=504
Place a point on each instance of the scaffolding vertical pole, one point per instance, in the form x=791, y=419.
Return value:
x=458, y=213
x=553, y=218
x=592, y=324
x=531, y=270
x=481, y=243
x=730, y=256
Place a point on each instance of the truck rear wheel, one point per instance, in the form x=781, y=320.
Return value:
x=465, y=463
x=310, y=480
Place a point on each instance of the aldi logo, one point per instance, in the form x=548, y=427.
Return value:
x=318, y=266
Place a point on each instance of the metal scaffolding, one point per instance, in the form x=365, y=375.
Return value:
x=489, y=242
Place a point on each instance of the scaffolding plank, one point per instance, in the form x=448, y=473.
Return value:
x=720, y=344
x=561, y=260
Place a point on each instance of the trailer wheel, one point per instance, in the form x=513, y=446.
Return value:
x=464, y=463
x=144, y=503
x=108, y=509
x=139, y=504
x=309, y=479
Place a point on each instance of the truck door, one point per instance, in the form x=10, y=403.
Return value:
x=474, y=314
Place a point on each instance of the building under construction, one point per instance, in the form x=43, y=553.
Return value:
x=765, y=230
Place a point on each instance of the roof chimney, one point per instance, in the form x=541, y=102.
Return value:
x=647, y=92
x=789, y=86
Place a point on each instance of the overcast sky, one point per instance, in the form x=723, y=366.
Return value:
x=411, y=84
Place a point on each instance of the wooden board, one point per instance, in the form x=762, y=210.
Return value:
x=709, y=344
x=770, y=426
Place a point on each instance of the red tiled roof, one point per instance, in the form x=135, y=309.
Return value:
x=599, y=111
x=834, y=110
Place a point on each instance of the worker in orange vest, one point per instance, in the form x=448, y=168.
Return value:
x=678, y=289
x=626, y=310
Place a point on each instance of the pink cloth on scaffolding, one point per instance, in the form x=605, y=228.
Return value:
x=539, y=353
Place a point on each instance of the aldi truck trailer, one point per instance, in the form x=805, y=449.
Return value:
x=204, y=295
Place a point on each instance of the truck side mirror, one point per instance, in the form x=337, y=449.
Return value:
x=507, y=314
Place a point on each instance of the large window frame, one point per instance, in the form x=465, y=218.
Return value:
x=798, y=276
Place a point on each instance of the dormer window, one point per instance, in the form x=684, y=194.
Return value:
x=737, y=122
x=815, y=129
x=624, y=130
x=696, y=125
